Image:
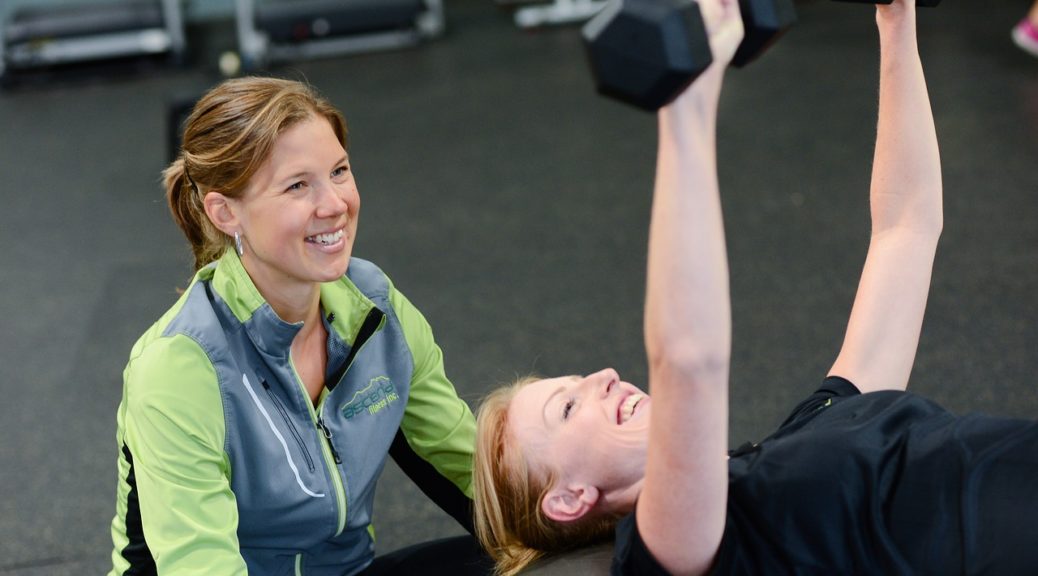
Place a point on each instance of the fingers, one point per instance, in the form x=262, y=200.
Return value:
x=724, y=25
x=898, y=10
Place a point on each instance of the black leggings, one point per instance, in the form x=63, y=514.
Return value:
x=457, y=556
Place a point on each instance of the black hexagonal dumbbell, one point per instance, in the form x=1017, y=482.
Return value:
x=646, y=52
x=764, y=21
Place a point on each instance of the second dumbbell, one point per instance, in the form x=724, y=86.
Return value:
x=646, y=52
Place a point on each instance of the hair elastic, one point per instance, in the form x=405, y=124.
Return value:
x=189, y=179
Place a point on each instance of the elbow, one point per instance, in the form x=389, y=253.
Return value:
x=934, y=224
x=930, y=229
x=926, y=228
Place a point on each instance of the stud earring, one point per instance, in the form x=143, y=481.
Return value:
x=238, y=245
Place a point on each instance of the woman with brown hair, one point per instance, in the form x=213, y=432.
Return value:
x=257, y=413
x=862, y=478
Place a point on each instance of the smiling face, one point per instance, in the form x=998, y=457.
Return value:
x=591, y=431
x=298, y=215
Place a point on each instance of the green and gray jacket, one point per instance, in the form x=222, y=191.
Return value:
x=225, y=464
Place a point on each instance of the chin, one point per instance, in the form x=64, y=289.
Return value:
x=337, y=273
x=338, y=268
x=328, y=273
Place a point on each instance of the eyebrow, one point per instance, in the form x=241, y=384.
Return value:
x=282, y=181
x=544, y=411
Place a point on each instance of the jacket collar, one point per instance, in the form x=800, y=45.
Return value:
x=343, y=303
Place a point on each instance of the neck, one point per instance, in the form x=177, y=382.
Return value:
x=622, y=500
x=293, y=302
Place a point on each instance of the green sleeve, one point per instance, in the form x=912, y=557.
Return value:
x=174, y=428
x=439, y=425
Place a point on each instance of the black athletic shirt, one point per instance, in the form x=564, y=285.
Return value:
x=881, y=483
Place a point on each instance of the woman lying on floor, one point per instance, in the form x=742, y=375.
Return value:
x=862, y=478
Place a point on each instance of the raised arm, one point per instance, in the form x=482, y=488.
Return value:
x=681, y=509
x=883, y=332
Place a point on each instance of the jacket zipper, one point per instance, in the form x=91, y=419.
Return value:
x=288, y=422
x=328, y=435
x=371, y=324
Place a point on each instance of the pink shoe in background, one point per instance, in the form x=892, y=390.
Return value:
x=1025, y=35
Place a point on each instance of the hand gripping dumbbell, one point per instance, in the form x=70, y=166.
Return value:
x=646, y=52
x=928, y=3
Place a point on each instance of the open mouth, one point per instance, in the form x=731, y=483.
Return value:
x=627, y=408
x=327, y=239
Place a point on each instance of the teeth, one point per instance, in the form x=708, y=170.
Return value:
x=327, y=239
x=627, y=408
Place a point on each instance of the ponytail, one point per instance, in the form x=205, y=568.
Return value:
x=185, y=204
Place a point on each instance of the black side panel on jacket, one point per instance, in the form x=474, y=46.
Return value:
x=439, y=489
x=136, y=551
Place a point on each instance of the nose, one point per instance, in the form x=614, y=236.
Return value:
x=331, y=201
x=602, y=381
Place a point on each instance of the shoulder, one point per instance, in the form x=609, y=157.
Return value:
x=172, y=400
x=171, y=363
x=630, y=555
x=368, y=278
x=168, y=371
x=172, y=334
x=374, y=283
x=832, y=391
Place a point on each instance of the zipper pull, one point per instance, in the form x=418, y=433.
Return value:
x=328, y=435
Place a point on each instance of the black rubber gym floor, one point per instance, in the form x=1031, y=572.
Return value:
x=510, y=203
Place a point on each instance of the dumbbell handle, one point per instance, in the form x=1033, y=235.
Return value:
x=928, y=3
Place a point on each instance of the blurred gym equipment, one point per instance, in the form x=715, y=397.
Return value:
x=34, y=38
x=280, y=31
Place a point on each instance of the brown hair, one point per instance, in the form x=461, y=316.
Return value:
x=229, y=134
x=510, y=523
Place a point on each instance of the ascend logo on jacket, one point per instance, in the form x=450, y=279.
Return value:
x=379, y=393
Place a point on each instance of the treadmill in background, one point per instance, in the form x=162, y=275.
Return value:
x=34, y=38
x=281, y=31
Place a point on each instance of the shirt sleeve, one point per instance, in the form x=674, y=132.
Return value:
x=833, y=389
x=631, y=557
x=174, y=433
x=438, y=425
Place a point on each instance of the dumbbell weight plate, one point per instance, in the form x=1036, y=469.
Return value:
x=764, y=21
x=645, y=52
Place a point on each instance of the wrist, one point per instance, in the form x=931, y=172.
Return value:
x=897, y=34
x=897, y=18
x=703, y=95
x=694, y=108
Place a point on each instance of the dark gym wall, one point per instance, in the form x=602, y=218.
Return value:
x=510, y=203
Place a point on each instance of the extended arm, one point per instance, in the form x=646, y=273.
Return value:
x=883, y=332
x=681, y=509
x=436, y=438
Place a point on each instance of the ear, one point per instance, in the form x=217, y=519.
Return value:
x=568, y=503
x=222, y=212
